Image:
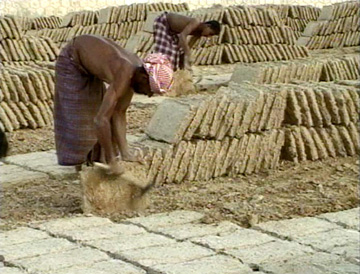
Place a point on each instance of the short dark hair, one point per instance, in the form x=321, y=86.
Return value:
x=214, y=25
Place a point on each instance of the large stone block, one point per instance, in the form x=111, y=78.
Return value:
x=171, y=119
x=209, y=265
x=296, y=228
x=347, y=218
x=319, y=263
x=169, y=254
x=14, y=175
x=21, y=235
x=54, y=261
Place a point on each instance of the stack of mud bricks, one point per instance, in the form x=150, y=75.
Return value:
x=314, y=70
x=322, y=120
x=257, y=34
x=118, y=23
x=237, y=131
x=337, y=26
x=26, y=76
x=296, y=17
x=26, y=97
x=15, y=46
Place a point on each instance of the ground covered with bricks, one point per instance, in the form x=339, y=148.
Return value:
x=178, y=242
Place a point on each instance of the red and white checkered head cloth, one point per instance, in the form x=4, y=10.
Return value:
x=160, y=72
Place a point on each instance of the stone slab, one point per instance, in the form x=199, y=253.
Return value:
x=11, y=270
x=43, y=162
x=149, y=23
x=209, y=265
x=349, y=251
x=188, y=231
x=170, y=254
x=54, y=261
x=13, y=175
x=168, y=121
x=244, y=73
x=62, y=226
x=319, y=263
x=347, y=218
x=156, y=221
x=269, y=252
x=129, y=242
x=296, y=228
x=240, y=239
x=21, y=235
x=105, y=267
x=102, y=232
x=328, y=240
x=35, y=248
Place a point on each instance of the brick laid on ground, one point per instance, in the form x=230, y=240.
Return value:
x=319, y=263
x=239, y=239
x=269, y=252
x=123, y=243
x=348, y=218
x=43, y=162
x=101, y=232
x=21, y=235
x=188, y=231
x=62, y=226
x=209, y=265
x=35, y=248
x=178, y=217
x=105, y=267
x=169, y=254
x=296, y=228
x=57, y=261
x=14, y=175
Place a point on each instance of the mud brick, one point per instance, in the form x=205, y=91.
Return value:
x=269, y=154
x=277, y=114
x=164, y=166
x=19, y=115
x=264, y=148
x=310, y=147
x=327, y=141
x=280, y=140
x=195, y=123
x=11, y=115
x=300, y=145
x=354, y=135
x=208, y=119
x=341, y=104
x=326, y=117
x=347, y=141
x=220, y=158
x=227, y=121
x=253, y=156
x=28, y=116
x=194, y=164
x=5, y=121
x=350, y=106
x=11, y=86
x=337, y=141
x=178, y=155
x=219, y=115
x=184, y=164
x=36, y=114
x=237, y=161
x=20, y=90
x=290, y=152
x=231, y=155
x=200, y=174
x=322, y=151
x=314, y=108
x=44, y=114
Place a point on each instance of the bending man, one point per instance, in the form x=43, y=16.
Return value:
x=90, y=118
x=170, y=34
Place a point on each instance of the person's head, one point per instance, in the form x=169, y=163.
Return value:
x=160, y=72
x=211, y=28
x=141, y=82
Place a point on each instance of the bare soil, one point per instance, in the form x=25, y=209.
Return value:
x=307, y=189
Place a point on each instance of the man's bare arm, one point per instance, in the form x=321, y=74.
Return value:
x=190, y=27
x=105, y=113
